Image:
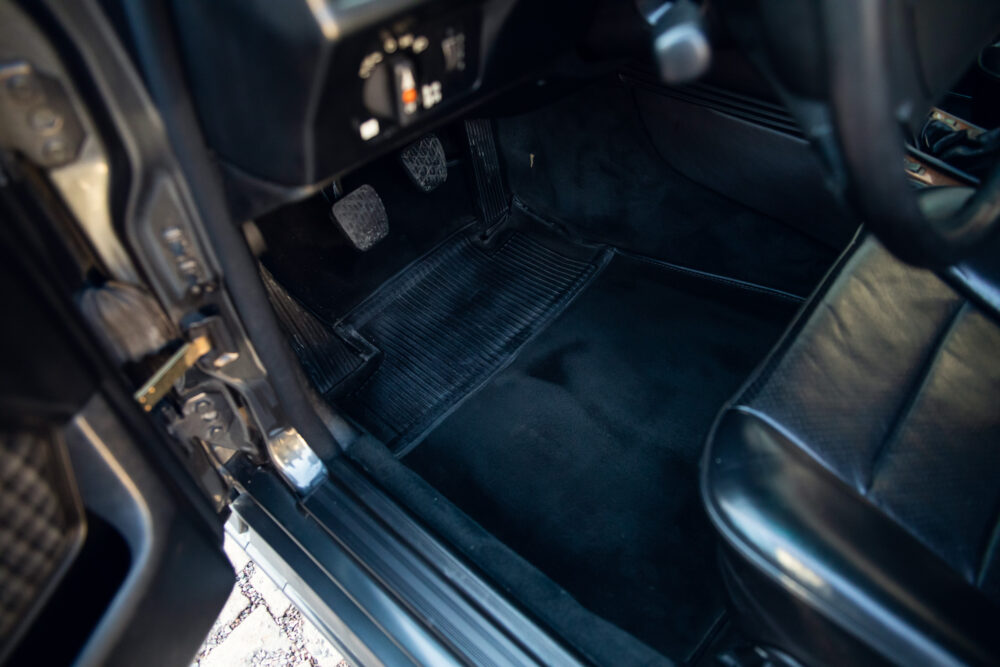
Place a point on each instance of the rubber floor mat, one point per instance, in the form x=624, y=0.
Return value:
x=327, y=359
x=450, y=321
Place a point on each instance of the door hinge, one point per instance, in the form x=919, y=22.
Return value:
x=156, y=387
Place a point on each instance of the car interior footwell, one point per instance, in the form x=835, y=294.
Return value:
x=501, y=332
x=565, y=412
x=582, y=455
x=536, y=390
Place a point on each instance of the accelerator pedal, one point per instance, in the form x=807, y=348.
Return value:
x=425, y=163
x=362, y=217
x=491, y=192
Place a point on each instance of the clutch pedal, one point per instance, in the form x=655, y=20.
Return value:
x=362, y=217
x=425, y=163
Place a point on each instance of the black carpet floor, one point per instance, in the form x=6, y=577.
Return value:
x=582, y=455
x=587, y=161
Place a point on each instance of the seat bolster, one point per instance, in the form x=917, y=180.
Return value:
x=823, y=543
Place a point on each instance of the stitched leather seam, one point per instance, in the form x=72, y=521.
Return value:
x=915, y=390
x=762, y=374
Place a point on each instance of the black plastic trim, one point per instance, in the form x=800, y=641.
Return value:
x=744, y=107
x=735, y=283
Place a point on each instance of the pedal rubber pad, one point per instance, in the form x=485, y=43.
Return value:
x=425, y=163
x=491, y=193
x=362, y=217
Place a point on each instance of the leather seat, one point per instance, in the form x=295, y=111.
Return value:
x=855, y=479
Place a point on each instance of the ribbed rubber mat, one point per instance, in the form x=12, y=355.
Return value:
x=450, y=321
x=494, y=202
x=326, y=358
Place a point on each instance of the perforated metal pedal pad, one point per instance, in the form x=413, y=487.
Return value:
x=362, y=217
x=425, y=163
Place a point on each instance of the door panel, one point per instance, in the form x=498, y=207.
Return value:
x=115, y=552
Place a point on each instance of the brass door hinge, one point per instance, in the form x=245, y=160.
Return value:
x=153, y=391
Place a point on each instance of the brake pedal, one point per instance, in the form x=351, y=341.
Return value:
x=425, y=163
x=362, y=217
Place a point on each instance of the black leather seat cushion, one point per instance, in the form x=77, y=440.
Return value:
x=859, y=467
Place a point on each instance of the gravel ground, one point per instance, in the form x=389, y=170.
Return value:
x=260, y=627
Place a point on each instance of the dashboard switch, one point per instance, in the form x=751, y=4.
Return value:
x=431, y=94
x=369, y=129
x=453, y=49
x=406, y=86
x=377, y=92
